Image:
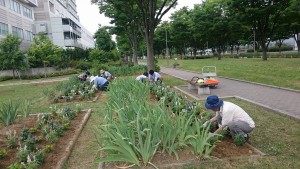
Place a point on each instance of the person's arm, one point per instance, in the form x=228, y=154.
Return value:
x=210, y=121
x=219, y=129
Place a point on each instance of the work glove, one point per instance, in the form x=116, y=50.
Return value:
x=210, y=134
x=206, y=123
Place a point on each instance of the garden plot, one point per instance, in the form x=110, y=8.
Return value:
x=73, y=90
x=41, y=141
x=159, y=134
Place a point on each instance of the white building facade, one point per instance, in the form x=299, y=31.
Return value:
x=17, y=18
x=58, y=19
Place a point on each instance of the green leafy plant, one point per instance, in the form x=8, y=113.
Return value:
x=3, y=153
x=39, y=156
x=15, y=165
x=26, y=108
x=24, y=134
x=32, y=130
x=51, y=137
x=48, y=148
x=22, y=154
x=8, y=112
x=12, y=140
x=239, y=140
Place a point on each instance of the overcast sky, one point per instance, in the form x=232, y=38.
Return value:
x=90, y=18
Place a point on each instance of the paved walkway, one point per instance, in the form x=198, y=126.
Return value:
x=283, y=101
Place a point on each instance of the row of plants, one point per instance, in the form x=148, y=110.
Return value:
x=70, y=90
x=34, y=143
x=135, y=127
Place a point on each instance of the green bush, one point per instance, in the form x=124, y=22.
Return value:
x=83, y=65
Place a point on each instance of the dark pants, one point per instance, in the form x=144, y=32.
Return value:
x=104, y=86
x=237, y=127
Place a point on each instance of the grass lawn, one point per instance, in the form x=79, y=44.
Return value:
x=278, y=72
x=275, y=135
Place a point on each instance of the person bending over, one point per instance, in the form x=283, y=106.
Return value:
x=154, y=76
x=229, y=115
x=100, y=83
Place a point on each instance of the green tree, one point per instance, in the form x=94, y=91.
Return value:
x=103, y=39
x=11, y=57
x=291, y=19
x=43, y=52
x=150, y=15
x=125, y=22
x=262, y=16
x=181, y=29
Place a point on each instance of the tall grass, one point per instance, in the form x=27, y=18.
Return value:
x=8, y=112
x=135, y=128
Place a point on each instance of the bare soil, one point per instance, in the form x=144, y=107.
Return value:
x=58, y=148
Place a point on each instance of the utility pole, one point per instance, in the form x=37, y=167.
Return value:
x=167, y=51
x=254, y=40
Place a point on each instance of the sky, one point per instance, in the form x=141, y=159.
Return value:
x=90, y=17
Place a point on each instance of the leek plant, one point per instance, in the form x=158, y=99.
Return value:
x=8, y=112
x=135, y=128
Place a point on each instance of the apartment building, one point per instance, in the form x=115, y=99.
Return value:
x=58, y=19
x=17, y=18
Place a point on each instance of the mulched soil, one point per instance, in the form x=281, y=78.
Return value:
x=58, y=148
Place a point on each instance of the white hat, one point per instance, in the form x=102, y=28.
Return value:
x=92, y=78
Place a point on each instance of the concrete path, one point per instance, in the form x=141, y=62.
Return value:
x=283, y=101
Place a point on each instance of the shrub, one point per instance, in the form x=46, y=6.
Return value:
x=8, y=113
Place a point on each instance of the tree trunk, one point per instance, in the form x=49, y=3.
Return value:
x=296, y=37
x=195, y=52
x=150, y=56
x=219, y=53
x=135, y=53
x=264, y=49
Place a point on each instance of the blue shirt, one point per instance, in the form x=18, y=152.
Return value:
x=99, y=81
x=154, y=77
x=106, y=74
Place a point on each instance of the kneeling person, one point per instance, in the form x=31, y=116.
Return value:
x=230, y=115
x=100, y=83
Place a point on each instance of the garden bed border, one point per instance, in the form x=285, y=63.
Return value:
x=60, y=164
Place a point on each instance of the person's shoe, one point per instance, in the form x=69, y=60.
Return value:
x=246, y=136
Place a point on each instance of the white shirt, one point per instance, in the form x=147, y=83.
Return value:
x=141, y=77
x=154, y=77
x=232, y=112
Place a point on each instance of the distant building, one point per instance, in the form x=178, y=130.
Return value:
x=58, y=19
x=17, y=18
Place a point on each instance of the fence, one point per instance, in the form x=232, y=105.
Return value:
x=29, y=72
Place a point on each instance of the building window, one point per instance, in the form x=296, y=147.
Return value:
x=17, y=32
x=2, y=2
x=28, y=35
x=15, y=6
x=51, y=7
x=27, y=12
x=3, y=29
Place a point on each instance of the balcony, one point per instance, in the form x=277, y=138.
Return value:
x=72, y=43
x=32, y=3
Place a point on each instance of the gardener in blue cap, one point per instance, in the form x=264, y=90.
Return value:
x=229, y=115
